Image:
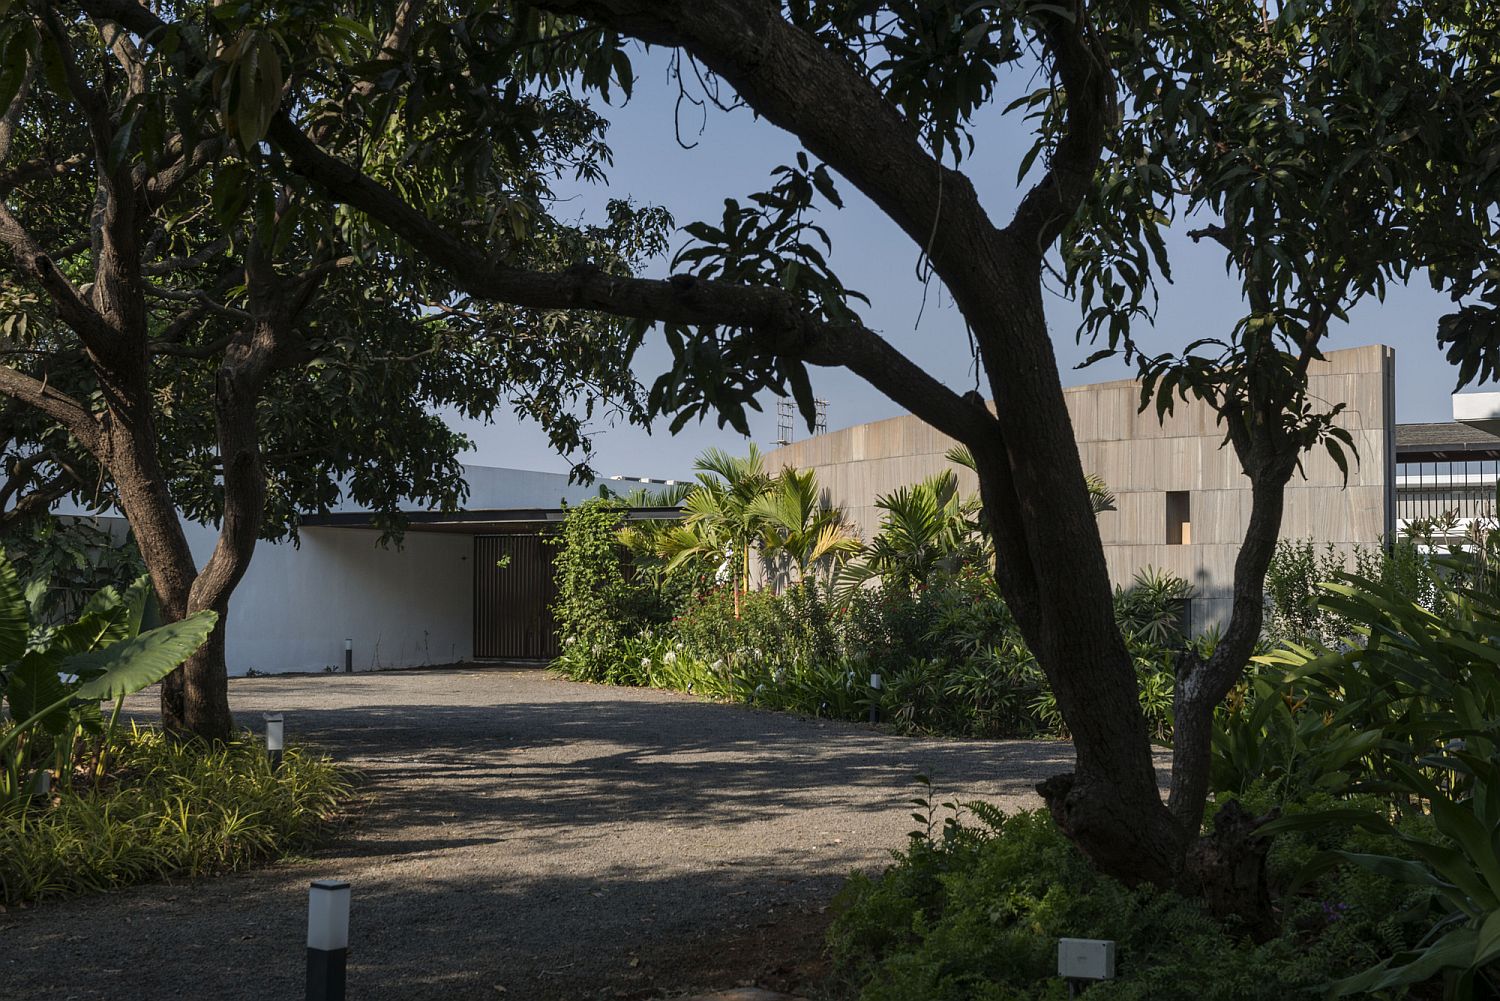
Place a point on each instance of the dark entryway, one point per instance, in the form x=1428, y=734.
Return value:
x=513, y=593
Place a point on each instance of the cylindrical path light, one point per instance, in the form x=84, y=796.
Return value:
x=349, y=656
x=876, y=684
x=274, y=735
x=327, y=939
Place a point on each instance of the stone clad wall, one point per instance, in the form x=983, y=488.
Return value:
x=1141, y=459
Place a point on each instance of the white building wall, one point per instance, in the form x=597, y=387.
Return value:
x=405, y=607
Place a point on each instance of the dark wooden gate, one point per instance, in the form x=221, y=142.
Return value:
x=513, y=592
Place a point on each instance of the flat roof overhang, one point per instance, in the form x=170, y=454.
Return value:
x=502, y=521
x=1446, y=441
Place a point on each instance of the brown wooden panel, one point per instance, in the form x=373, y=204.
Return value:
x=512, y=603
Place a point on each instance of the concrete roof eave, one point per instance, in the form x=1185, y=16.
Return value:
x=484, y=522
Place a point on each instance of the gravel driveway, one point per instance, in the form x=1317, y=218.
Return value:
x=529, y=838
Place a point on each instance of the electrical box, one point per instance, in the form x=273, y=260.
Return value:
x=1086, y=958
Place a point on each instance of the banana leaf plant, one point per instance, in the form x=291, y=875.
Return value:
x=54, y=677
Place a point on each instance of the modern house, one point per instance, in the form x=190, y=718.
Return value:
x=476, y=584
x=467, y=585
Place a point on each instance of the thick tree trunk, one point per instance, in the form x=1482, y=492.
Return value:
x=1051, y=571
x=128, y=452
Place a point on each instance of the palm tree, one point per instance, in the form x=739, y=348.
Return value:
x=926, y=528
x=718, y=524
x=797, y=528
x=644, y=540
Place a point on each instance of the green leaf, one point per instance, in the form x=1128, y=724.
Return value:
x=120, y=146
x=107, y=618
x=36, y=693
x=14, y=620
x=259, y=94
x=1453, y=950
x=131, y=665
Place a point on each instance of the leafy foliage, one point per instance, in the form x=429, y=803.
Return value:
x=63, y=561
x=1403, y=705
x=925, y=529
x=1314, y=145
x=53, y=677
x=950, y=658
x=974, y=906
x=168, y=808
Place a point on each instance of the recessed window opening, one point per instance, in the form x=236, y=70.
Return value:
x=1179, y=518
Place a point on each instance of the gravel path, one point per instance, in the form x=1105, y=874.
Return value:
x=528, y=838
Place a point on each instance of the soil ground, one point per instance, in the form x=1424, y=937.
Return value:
x=524, y=837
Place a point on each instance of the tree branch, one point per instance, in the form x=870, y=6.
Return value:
x=74, y=310
x=1083, y=68
x=55, y=404
x=38, y=169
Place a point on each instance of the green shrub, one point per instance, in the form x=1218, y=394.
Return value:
x=974, y=911
x=601, y=596
x=167, y=809
x=1404, y=704
x=54, y=676
x=950, y=656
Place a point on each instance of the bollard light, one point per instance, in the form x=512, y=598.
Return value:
x=41, y=784
x=349, y=656
x=274, y=734
x=876, y=683
x=327, y=939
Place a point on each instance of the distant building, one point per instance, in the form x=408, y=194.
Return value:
x=1182, y=503
x=1451, y=468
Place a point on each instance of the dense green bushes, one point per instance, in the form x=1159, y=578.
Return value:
x=973, y=909
x=1380, y=749
x=86, y=807
x=949, y=656
x=670, y=605
x=166, y=809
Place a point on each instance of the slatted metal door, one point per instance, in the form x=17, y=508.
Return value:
x=513, y=593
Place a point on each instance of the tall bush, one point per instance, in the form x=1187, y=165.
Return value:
x=1405, y=705
x=594, y=599
x=63, y=561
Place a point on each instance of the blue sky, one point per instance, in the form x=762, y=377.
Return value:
x=734, y=156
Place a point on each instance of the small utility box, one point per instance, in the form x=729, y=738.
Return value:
x=1086, y=959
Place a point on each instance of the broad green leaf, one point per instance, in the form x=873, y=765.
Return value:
x=34, y=688
x=133, y=664
x=1487, y=949
x=107, y=618
x=1453, y=950
x=14, y=619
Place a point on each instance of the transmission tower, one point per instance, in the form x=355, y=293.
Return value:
x=820, y=422
x=786, y=413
